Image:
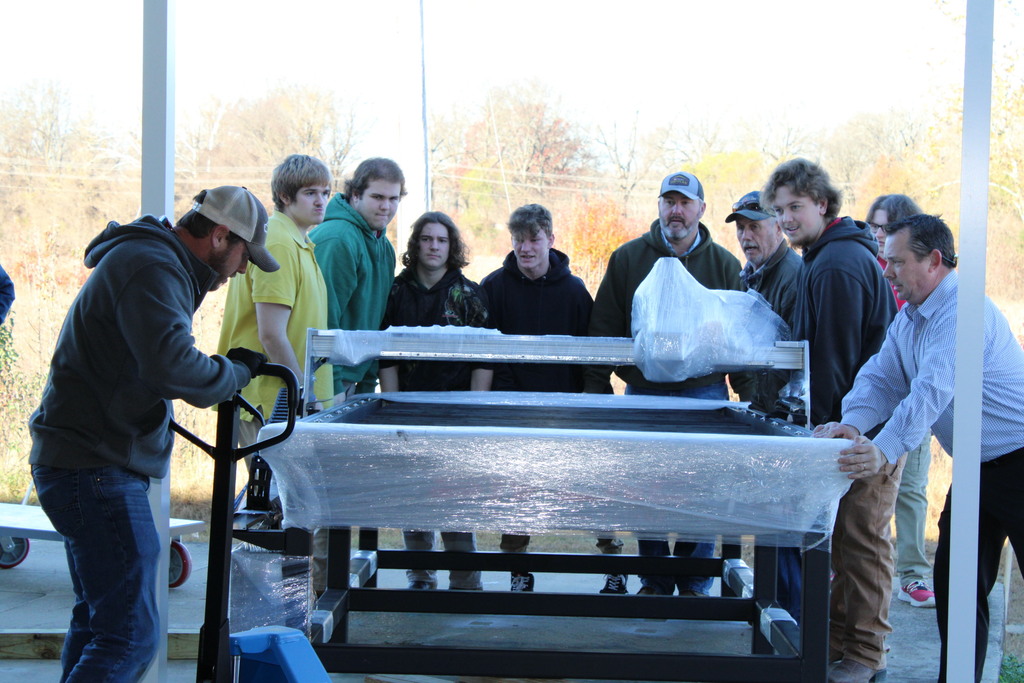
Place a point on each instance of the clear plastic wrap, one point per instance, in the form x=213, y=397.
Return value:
x=682, y=329
x=542, y=479
x=268, y=589
x=351, y=347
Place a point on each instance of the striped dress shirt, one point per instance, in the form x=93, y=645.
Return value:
x=908, y=384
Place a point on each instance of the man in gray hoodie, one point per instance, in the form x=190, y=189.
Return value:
x=125, y=351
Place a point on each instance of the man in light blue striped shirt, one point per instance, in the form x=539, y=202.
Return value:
x=908, y=385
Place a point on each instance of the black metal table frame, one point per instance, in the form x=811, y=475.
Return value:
x=779, y=652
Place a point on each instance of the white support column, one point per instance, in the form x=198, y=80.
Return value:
x=969, y=338
x=158, y=199
x=158, y=108
x=412, y=123
x=427, y=201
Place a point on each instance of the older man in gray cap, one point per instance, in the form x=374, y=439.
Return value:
x=771, y=265
x=677, y=233
x=101, y=431
x=772, y=269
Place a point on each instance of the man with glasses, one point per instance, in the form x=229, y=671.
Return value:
x=843, y=307
x=676, y=233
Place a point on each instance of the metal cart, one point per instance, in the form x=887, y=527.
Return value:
x=19, y=523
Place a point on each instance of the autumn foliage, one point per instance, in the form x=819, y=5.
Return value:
x=591, y=232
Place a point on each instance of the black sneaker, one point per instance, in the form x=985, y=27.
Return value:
x=614, y=583
x=522, y=583
x=420, y=586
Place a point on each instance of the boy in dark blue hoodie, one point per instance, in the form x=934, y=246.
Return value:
x=534, y=292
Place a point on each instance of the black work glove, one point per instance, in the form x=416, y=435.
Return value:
x=248, y=358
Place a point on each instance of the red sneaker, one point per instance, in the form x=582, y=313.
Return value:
x=918, y=594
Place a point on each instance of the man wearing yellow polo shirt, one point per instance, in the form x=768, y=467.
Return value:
x=271, y=314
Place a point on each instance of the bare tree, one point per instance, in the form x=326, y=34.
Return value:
x=257, y=134
x=858, y=144
x=524, y=144
x=693, y=137
x=197, y=139
x=779, y=139
x=447, y=159
x=633, y=157
x=36, y=123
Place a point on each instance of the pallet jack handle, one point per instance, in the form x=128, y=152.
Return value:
x=294, y=401
x=214, y=661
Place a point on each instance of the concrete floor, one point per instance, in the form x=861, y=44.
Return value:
x=36, y=597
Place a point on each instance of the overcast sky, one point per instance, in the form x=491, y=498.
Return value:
x=808, y=60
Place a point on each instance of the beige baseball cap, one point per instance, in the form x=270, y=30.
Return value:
x=244, y=215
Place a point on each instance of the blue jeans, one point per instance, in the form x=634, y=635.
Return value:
x=666, y=585
x=113, y=550
x=789, y=581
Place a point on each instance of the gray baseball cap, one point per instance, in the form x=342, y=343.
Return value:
x=684, y=183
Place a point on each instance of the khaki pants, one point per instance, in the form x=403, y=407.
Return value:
x=911, y=515
x=514, y=543
x=863, y=564
x=457, y=541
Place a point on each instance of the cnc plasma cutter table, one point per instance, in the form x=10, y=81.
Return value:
x=534, y=463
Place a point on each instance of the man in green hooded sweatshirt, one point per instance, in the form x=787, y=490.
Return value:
x=358, y=261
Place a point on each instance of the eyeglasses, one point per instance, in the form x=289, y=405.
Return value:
x=876, y=226
x=751, y=205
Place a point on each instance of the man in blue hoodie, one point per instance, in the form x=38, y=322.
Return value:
x=101, y=431
x=534, y=292
x=6, y=294
x=843, y=307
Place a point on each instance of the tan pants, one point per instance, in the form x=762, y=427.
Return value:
x=863, y=564
x=514, y=543
x=456, y=541
x=912, y=514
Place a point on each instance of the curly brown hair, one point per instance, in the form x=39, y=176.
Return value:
x=456, y=247
x=530, y=220
x=806, y=179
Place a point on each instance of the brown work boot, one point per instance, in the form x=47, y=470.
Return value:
x=849, y=671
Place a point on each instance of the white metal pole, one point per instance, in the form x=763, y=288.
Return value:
x=969, y=338
x=158, y=199
x=411, y=132
x=428, y=201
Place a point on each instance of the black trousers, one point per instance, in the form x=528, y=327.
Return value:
x=1000, y=515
